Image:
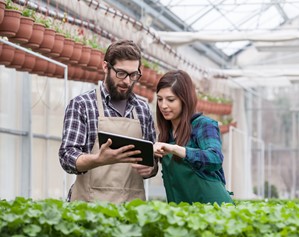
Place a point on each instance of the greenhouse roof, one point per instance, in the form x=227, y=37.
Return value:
x=231, y=17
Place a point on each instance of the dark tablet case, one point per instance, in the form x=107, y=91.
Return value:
x=146, y=147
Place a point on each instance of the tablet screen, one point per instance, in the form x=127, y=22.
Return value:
x=146, y=147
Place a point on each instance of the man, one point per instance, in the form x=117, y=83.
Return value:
x=106, y=174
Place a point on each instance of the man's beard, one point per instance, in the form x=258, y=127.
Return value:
x=114, y=93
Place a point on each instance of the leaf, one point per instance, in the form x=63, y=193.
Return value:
x=32, y=230
x=176, y=231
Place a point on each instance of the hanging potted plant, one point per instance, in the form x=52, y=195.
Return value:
x=68, y=48
x=11, y=20
x=58, y=42
x=7, y=54
x=37, y=35
x=77, y=51
x=18, y=59
x=145, y=71
x=29, y=63
x=26, y=26
x=96, y=56
x=2, y=9
x=225, y=123
x=49, y=36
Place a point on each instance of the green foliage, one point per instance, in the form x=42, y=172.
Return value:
x=94, y=43
x=51, y=217
x=28, y=13
x=215, y=99
x=151, y=65
x=226, y=120
x=10, y=5
x=47, y=22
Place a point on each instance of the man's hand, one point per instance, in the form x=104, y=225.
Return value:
x=107, y=156
x=123, y=154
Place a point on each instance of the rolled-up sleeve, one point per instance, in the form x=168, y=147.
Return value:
x=205, y=154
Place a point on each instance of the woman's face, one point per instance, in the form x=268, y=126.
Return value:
x=169, y=104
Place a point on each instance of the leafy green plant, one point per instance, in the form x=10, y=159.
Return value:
x=94, y=43
x=51, y=217
x=225, y=120
x=215, y=99
x=28, y=13
x=10, y=5
x=44, y=21
x=146, y=63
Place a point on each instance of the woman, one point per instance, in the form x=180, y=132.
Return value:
x=189, y=144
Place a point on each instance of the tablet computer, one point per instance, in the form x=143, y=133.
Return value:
x=146, y=147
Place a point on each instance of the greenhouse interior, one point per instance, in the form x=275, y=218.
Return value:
x=240, y=54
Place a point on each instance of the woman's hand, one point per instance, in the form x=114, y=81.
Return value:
x=161, y=149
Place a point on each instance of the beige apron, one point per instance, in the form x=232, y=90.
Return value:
x=115, y=183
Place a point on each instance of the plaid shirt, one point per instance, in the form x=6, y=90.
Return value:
x=203, y=150
x=81, y=124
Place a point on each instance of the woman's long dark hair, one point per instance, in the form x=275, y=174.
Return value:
x=182, y=86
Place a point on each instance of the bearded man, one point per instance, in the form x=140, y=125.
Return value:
x=105, y=174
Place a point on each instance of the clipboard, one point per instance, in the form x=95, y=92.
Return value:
x=146, y=147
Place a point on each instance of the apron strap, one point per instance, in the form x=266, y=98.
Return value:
x=100, y=103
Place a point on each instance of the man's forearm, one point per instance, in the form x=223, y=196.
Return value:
x=86, y=162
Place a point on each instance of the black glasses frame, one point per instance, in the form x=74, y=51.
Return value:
x=122, y=74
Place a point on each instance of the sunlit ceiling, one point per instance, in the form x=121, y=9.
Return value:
x=222, y=16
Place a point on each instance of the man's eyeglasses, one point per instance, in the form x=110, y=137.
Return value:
x=121, y=74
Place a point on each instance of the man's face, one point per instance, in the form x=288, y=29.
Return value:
x=121, y=89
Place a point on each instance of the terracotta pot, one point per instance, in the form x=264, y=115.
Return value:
x=225, y=128
x=51, y=69
x=18, y=60
x=136, y=88
x=59, y=72
x=145, y=75
x=85, y=56
x=143, y=91
x=40, y=66
x=101, y=75
x=25, y=31
x=67, y=50
x=92, y=76
x=150, y=95
x=151, y=78
x=2, y=10
x=48, y=41
x=7, y=54
x=96, y=58
x=29, y=63
x=85, y=76
x=79, y=73
x=158, y=77
x=10, y=23
x=77, y=51
x=58, y=45
x=227, y=108
x=70, y=71
x=37, y=36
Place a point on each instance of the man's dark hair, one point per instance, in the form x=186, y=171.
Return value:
x=122, y=50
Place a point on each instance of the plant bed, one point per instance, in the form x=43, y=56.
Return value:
x=51, y=217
